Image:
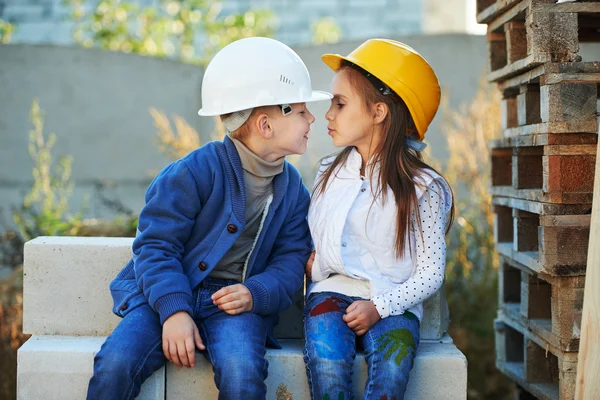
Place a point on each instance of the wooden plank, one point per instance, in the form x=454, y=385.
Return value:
x=570, y=150
x=543, y=139
x=509, y=15
x=488, y=10
x=551, y=79
x=591, y=7
x=565, y=220
x=538, y=195
x=588, y=369
x=567, y=127
x=542, y=208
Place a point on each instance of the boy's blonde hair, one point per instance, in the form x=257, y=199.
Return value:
x=243, y=132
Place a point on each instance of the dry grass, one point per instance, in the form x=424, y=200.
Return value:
x=178, y=143
x=11, y=331
x=472, y=270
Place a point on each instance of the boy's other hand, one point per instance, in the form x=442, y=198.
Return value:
x=361, y=316
x=180, y=338
x=233, y=299
x=309, y=264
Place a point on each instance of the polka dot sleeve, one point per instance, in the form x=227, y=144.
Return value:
x=430, y=253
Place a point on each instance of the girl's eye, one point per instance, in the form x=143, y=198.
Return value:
x=340, y=105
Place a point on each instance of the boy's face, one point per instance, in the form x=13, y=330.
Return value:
x=290, y=132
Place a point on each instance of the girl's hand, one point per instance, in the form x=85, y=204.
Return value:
x=361, y=316
x=233, y=299
x=309, y=264
x=180, y=338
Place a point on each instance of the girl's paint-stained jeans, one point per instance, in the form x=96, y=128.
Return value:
x=389, y=348
x=235, y=346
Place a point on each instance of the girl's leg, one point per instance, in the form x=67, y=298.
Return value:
x=390, y=347
x=128, y=356
x=330, y=347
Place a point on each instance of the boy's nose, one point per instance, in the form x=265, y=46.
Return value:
x=311, y=118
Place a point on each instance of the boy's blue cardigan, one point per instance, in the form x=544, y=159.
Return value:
x=194, y=212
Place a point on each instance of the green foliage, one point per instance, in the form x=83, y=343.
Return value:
x=325, y=30
x=45, y=208
x=177, y=28
x=6, y=31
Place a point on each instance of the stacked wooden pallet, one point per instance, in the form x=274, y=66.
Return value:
x=542, y=184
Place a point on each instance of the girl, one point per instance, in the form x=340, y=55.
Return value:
x=378, y=219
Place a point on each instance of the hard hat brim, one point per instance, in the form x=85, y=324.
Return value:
x=316, y=95
x=334, y=61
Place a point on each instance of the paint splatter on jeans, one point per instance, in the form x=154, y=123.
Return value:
x=389, y=348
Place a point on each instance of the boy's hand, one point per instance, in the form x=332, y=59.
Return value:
x=180, y=334
x=233, y=299
x=309, y=264
x=361, y=316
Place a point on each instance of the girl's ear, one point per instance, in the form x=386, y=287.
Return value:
x=380, y=111
x=263, y=126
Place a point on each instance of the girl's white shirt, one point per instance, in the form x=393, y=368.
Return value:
x=354, y=238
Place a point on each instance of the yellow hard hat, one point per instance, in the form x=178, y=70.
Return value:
x=402, y=69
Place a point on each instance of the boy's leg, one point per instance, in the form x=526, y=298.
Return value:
x=236, y=349
x=330, y=347
x=128, y=356
x=390, y=347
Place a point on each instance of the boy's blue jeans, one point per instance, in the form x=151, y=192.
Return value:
x=389, y=348
x=235, y=345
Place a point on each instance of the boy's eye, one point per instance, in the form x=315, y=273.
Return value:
x=302, y=112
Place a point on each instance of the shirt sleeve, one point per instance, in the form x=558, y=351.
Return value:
x=433, y=207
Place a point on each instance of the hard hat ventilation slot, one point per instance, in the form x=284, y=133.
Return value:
x=285, y=80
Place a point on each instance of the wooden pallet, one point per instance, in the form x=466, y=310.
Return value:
x=547, y=238
x=545, y=168
x=538, y=367
x=534, y=32
x=548, y=306
x=552, y=98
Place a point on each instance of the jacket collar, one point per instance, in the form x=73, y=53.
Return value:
x=353, y=165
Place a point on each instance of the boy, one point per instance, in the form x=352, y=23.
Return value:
x=222, y=240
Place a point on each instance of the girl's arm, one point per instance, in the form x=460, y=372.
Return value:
x=434, y=205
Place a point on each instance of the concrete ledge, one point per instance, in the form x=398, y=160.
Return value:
x=66, y=290
x=59, y=367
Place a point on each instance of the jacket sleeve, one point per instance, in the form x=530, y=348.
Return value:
x=434, y=205
x=273, y=289
x=164, y=226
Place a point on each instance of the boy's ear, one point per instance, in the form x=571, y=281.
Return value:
x=380, y=111
x=264, y=126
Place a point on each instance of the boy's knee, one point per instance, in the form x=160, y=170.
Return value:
x=111, y=362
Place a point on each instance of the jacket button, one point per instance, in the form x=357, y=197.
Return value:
x=123, y=307
x=202, y=266
x=231, y=228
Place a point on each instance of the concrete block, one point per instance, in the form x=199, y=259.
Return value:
x=86, y=265
x=440, y=362
x=435, y=316
x=60, y=367
x=65, y=284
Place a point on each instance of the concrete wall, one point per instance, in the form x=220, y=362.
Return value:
x=97, y=104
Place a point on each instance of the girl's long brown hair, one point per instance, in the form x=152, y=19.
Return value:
x=398, y=164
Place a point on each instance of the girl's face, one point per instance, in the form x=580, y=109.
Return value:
x=350, y=123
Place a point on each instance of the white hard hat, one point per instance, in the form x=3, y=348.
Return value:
x=254, y=72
